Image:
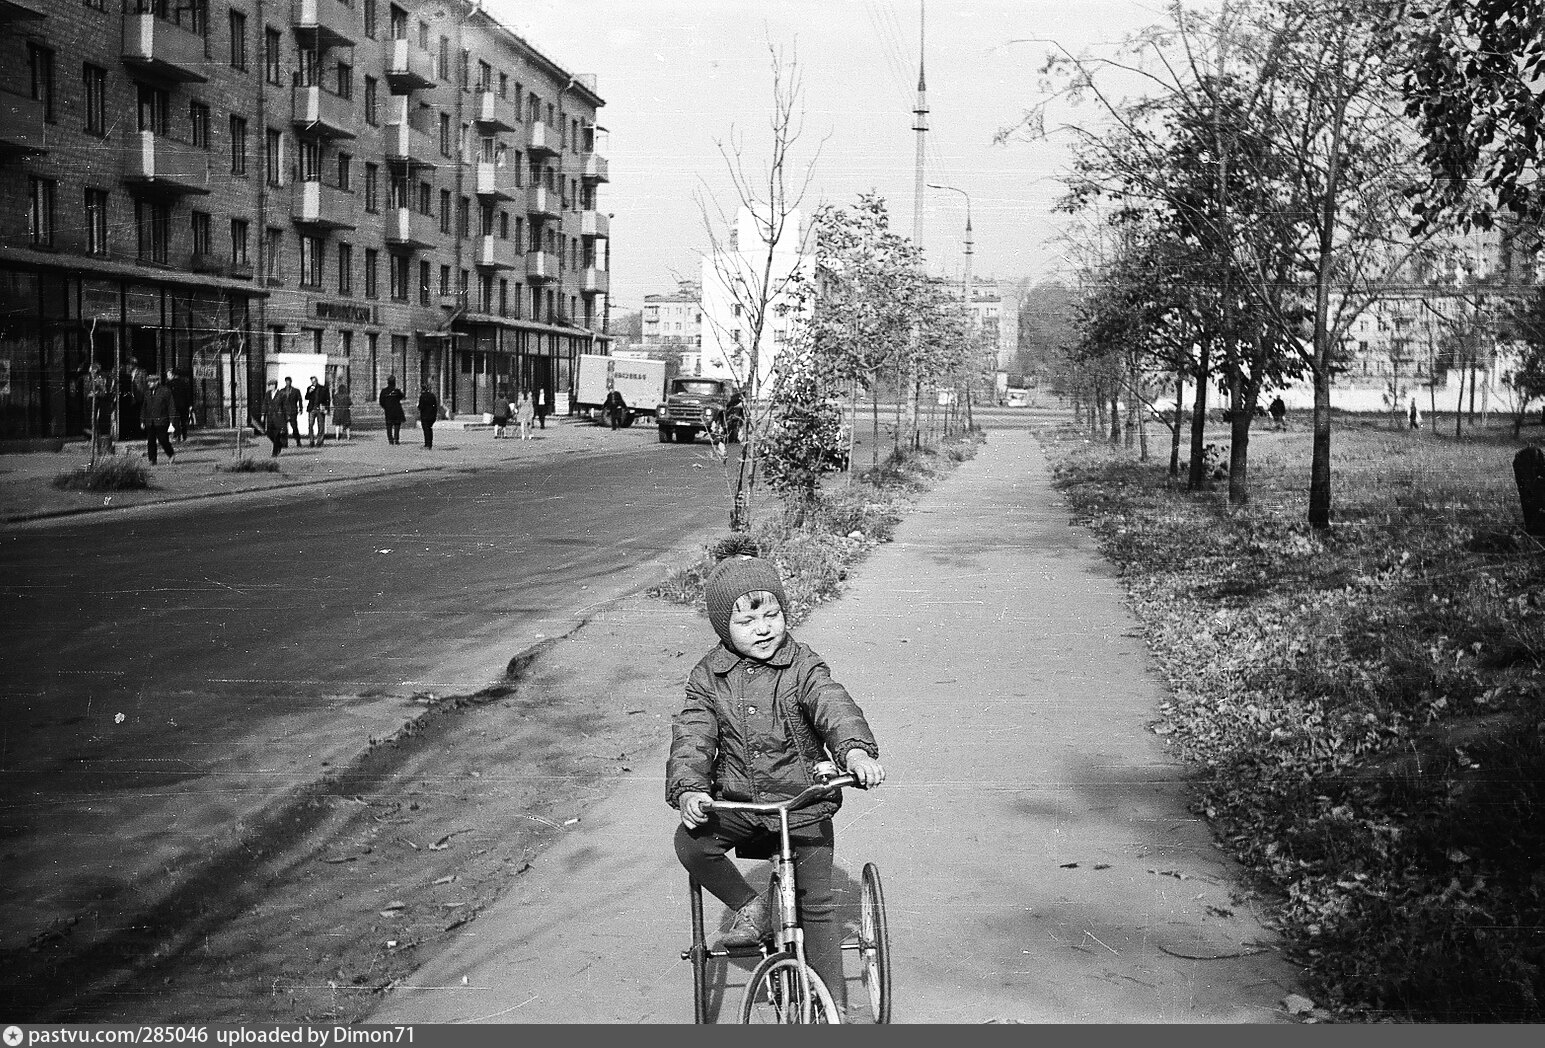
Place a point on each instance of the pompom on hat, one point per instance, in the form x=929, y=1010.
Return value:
x=731, y=579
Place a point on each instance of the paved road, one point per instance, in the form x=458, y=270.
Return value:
x=1039, y=861
x=167, y=674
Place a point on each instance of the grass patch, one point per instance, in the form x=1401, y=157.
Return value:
x=847, y=521
x=250, y=465
x=1363, y=705
x=109, y=474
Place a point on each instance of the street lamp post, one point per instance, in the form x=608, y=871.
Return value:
x=965, y=281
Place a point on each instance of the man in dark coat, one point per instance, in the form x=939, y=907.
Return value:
x=182, y=400
x=391, y=407
x=289, y=398
x=155, y=415
x=428, y=413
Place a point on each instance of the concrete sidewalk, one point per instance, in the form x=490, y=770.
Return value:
x=26, y=480
x=1038, y=858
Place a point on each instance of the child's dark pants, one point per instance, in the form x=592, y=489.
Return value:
x=703, y=851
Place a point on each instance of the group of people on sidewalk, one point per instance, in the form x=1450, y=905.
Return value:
x=391, y=399
x=523, y=412
x=282, y=408
x=149, y=407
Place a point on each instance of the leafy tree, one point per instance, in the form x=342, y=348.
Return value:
x=1527, y=378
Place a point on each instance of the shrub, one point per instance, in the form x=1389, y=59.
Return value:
x=111, y=474
x=250, y=465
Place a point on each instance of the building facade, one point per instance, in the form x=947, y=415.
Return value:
x=673, y=325
x=403, y=189
x=735, y=276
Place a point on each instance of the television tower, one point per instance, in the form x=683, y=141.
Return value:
x=920, y=125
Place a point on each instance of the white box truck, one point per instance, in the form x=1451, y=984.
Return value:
x=641, y=383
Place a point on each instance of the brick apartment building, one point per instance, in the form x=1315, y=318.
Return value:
x=407, y=188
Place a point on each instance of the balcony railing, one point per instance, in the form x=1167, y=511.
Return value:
x=493, y=113
x=496, y=253
x=408, y=68
x=407, y=228
x=323, y=206
x=155, y=162
x=594, y=224
x=406, y=144
x=325, y=23
x=542, y=139
x=155, y=47
x=207, y=262
x=541, y=266
x=543, y=202
x=593, y=281
x=594, y=168
x=320, y=112
x=495, y=180
x=21, y=124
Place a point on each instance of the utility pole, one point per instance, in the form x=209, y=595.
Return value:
x=920, y=125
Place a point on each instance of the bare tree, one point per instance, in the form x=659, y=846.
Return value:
x=753, y=277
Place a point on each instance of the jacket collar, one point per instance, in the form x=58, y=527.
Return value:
x=722, y=659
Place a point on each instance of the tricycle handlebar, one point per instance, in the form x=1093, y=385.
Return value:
x=806, y=797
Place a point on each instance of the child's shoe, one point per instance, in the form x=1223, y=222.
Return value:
x=753, y=923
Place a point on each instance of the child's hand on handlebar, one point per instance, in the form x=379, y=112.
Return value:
x=692, y=804
x=865, y=769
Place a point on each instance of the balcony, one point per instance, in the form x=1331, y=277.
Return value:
x=542, y=140
x=541, y=267
x=594, y=168
x=204, y=262
x=594, y=224
x=323, y=206
x=593, y=281
x=496, y=181
x=406, y=144
x=406, y=228
x=493, y=113
x=325, y=23
x=154, y=162
x=155, y=47
x=408, y=68
x=21, y=124
x=496, y=253
x=542, y=202
x=317, y=111
x=22, y=10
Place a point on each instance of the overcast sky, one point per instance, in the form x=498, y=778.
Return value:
x=680, y=75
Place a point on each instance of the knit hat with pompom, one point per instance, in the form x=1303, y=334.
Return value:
x=731, y=579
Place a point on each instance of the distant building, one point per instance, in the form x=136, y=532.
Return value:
x=727, y=327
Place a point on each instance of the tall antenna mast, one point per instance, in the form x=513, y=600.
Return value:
x=920, y=125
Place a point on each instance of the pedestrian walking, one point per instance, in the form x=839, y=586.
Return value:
x=273, y=417
x=1415, y=415
x=391, y=406
x=289, y=396
x=182, y=403
x=1279, y=412
x=761, y=713
x=343, y=411
x=131, y=385
x=614, y=407
x=318, y=401
x=502, y=413
x=155, y=417
x=428, y=414
x=541, y=406
x=523, y=414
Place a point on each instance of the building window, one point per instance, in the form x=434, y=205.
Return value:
x=310, y=67
x=345, y=80
x=443, y=59
x=153, y=224
x=370, y=18
x=40, y=211
x=445, y=210
x=239, y=229
x=96, y=221
x=372, y=261
x=274, y=252
x=198, y=123
x=399, y=277
x=372, y=197
x=310, y=160
x=238, y=145
x=445, y=280
x=272, y=41
x=423, y=283
x=504, y=297
x=445, y=134
x=372, y=115
x=154, y=105
x=41, y=61
x=238, y=40
x=275, y=157
x=425, y=191
x=345, y=174
x=463, y=216
x=399, y=20
x=485, y=292
x=345, y=269
x=504, y=85
x=203, y=241
x=311, y=257
x=94, y=80
x=485, y=76
x=423, y=35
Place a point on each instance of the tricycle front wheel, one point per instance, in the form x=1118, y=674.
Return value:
x=779, y=993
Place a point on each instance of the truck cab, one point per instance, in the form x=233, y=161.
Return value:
x=696, y=405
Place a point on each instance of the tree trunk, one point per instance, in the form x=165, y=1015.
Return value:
x=1174, y=444
x=1115, y=417
x=1196, y=478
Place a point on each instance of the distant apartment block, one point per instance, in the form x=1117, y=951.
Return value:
x=407, y=189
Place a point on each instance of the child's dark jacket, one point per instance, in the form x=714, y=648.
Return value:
x=754, y=731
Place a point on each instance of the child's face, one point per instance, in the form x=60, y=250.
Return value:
x=757, y=626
